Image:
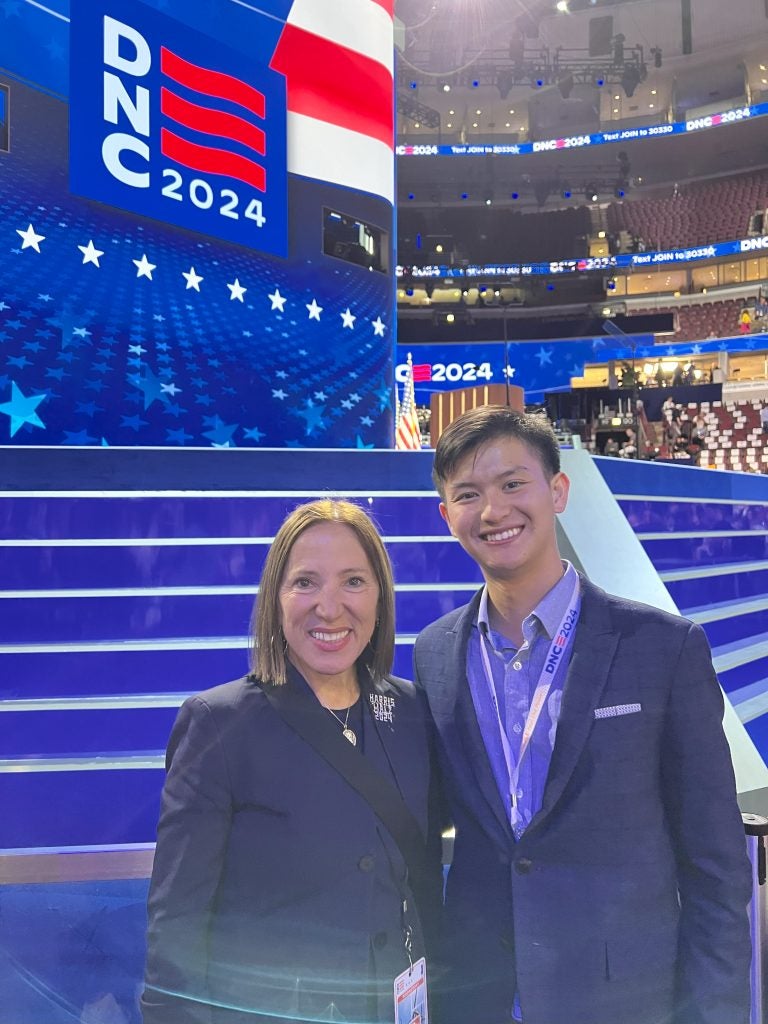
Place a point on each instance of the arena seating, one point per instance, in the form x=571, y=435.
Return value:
x=736, y=440
x=719, y=319
x=696, y=214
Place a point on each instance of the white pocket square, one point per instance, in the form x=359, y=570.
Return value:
x=618, y=709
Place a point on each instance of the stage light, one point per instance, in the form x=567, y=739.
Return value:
x=567, y=194
x=562, y=6
x=565, y=85
x=591, y=194
x=504, y=82
x=413, y=85
x=411, y=195
x=515, y=195
x=450, y=318
x=446, y=87
x=465, y=195
x=619, y=192
x=475, y=84
x=630, y=80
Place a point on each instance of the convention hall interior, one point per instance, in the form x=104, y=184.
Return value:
x=559, y=205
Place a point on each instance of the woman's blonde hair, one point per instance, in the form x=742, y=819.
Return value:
x=268, y=661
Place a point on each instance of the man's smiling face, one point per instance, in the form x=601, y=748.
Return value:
x=500, y=504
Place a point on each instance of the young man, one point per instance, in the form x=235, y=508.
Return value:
x=599, y=872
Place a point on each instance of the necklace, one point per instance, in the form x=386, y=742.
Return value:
x=346, y=732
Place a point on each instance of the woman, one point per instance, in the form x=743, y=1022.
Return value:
x=277, y=890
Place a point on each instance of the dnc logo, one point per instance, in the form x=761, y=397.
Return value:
x=170, y=124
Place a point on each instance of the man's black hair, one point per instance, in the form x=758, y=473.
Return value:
x=476, y=427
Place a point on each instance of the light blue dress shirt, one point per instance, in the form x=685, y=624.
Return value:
x=516, y=672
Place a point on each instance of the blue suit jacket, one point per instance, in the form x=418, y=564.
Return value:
x=625, y=900
x=275, y=889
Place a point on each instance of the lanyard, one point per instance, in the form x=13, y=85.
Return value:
x=551, y=670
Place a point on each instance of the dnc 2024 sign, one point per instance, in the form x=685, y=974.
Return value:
x=170, y=124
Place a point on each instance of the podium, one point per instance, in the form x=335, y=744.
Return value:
x=446, y=406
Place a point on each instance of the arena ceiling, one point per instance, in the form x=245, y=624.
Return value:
x=455, y=54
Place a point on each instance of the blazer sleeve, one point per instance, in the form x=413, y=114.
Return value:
x=714, y=877
x=191, y=839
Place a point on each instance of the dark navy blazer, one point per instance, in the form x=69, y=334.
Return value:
x=275, y=888
x=625, y=900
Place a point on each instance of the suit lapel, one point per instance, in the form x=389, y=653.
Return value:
x=593, y=652
x=454, y=714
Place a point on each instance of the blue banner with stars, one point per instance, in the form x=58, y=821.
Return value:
x=540, y=366
x=117, y=329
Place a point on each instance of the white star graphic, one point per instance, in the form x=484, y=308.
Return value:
x=170, y=389
x=137, y=350
x=81, y=332
x=236, y=291
x=347, y=320
x=193, y=280
x=30, y=239
x=4, y=305
x=143, y=267
x=277, y=300
x=378, y=327
x=279, y=394
x=314, y=310
x=90, y=253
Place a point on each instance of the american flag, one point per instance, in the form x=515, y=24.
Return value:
x=407, y=433
x=339, y=131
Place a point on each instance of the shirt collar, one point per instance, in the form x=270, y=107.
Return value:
x=549, y=611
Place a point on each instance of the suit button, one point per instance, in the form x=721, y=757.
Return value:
x=366, y=863
x=380, y=940
x=523, y=866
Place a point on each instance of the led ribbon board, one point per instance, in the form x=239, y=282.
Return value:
x=580, y=141
x=170, y=124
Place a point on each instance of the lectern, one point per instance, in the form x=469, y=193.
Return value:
x=446, y=406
